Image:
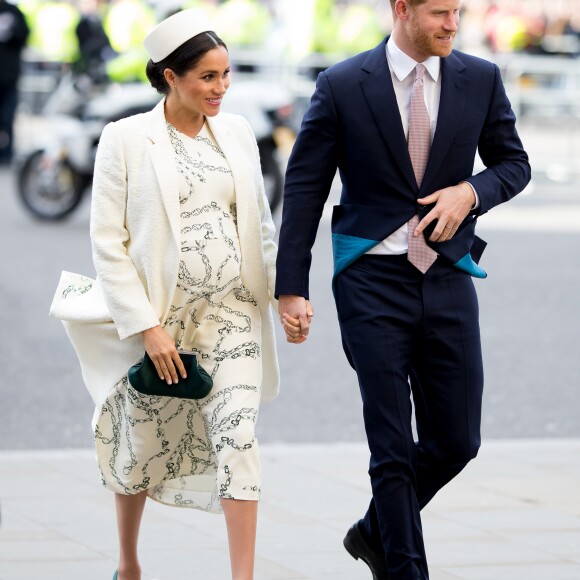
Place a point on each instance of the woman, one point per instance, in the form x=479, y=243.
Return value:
x=183, y=248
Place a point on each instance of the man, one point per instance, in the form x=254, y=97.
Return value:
x=403, y=136
x=13, y=34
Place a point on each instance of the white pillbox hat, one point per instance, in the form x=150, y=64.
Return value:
x=172, y=32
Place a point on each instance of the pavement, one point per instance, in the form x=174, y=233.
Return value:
x=514, y=513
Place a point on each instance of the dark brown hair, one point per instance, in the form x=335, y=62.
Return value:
x=410, y=2
x=182, y=59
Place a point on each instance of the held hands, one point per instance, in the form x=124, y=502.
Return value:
x=295, y=315
x=452, y=205
x=161, y=349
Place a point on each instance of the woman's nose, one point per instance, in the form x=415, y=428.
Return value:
x=221, y=86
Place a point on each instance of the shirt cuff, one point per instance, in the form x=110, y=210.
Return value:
x=476, y=204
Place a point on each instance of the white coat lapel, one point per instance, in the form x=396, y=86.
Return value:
x=162, y=157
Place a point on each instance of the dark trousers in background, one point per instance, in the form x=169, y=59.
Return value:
x=8, y=102
x=403, y=331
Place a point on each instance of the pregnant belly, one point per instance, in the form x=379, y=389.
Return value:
x=210, y=266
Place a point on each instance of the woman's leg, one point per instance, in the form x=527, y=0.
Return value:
x=129, y=513
x=241, y=520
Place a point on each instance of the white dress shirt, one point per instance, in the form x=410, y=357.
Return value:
x=402, y=69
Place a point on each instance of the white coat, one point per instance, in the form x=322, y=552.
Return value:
x=135, y=232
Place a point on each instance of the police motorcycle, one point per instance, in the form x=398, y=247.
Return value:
x=56, y=172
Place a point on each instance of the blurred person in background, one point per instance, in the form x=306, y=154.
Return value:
x=506, y=28
x=244, y=22
x=402, y=124
x=533, y=27
x=183, y=248
x=563, y=29
x=344, y=28
x=572, y=29
x=126, y=23
x=13, y=35
x=94, y=46
x=472, y=36
x=167, y=7
x=52, y=30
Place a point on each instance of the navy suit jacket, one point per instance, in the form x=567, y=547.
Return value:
x=353, y=124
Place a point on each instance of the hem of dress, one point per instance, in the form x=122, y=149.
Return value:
x=213, y=507
x=249, y=496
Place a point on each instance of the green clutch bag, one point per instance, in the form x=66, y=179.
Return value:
x=143, y=377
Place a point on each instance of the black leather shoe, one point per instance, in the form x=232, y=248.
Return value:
x=358, y=547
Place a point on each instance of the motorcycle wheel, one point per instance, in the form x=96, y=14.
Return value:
x=49, y=189
x=273, y=178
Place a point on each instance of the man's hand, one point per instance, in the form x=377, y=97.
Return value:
x=295, y=315
x=452, y=205
x=161, y=349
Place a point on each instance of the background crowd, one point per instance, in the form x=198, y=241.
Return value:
x=103, y=38
x=68, y=31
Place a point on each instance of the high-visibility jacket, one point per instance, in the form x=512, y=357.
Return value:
x=242, y=22
x=127, y=23
x=52, y=29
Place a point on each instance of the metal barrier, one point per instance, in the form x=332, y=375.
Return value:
x=542, y=86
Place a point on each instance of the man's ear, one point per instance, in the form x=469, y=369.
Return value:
x=402, y=9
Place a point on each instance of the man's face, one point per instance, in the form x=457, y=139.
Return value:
x=429, y=29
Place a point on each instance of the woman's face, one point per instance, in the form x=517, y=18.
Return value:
x=200, y=90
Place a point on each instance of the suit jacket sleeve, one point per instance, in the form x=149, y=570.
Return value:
x=311, y=170
x=507, y=169
x=123, y=290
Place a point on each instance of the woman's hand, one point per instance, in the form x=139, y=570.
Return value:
x=297, y=324
x=292, y=329
x=161, y=349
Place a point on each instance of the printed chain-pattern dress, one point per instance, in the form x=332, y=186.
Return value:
x=191, y=453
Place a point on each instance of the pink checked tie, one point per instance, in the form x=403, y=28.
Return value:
x=420, y=254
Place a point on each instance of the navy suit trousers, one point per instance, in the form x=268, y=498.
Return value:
x=414, y=342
